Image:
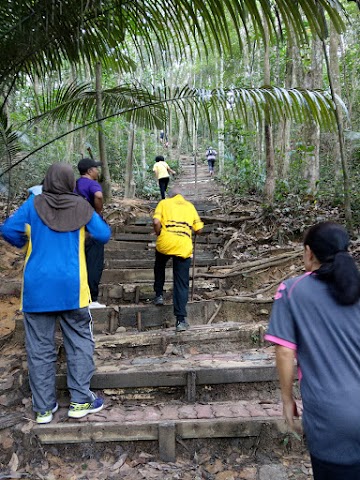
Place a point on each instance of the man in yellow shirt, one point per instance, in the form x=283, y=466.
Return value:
x=174, y=220
x=162, y=170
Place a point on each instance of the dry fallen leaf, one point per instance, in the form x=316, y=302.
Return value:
x=14, y=463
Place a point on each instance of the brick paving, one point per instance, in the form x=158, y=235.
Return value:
x=179, y=411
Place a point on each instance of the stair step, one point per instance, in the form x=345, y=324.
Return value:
x=148, y=229
x=204, y=260
x=145, y=316
x=115, y=250
x=111, y=294
x=234, y=337
x=140, y=275
x=150, y=238
x=154, y=316
x=167, y=422
x=171, y=371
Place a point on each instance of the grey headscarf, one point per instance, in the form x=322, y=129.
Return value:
x=58, y=206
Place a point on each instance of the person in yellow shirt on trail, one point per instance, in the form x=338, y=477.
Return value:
x=174, y=220
x=162, y=170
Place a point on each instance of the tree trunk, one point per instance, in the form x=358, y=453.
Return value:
x=70, y=145
x=101, y=137
x=221, y=126
x=283, y=142
x=312, y=164
x=181, y=134
x=335, y=74
x=344, y=163
x=269, y=189
x=129, y=182
x=143, y=155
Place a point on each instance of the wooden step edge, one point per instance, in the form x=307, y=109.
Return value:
x=214, y=332
x=176, y=377
x=79, y=432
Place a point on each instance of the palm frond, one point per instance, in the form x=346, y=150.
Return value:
x=38, y=37
x=250, y=104
x=76, y=103
x=149, y=109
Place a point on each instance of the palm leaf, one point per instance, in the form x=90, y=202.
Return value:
x=149, y=109
x=39, y=36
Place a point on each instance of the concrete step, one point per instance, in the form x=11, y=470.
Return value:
x=169, y=425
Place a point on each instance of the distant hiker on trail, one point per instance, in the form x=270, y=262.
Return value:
x=163, y=138
x=88, y=187
x=162, y=170
x=211, y=157
x=315, y=320
x=174, y=220
x=51, y=226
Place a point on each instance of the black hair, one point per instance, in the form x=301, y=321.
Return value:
x=159, y=158
x=329, y=242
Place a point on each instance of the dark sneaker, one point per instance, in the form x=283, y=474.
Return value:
x=182, y=326
x=159, y=300
x=47, y=415
x=79, y=410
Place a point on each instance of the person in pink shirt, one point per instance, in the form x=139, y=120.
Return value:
x=315, y=320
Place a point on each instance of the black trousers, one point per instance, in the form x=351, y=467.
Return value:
x=163, y=184
x=211, y=164
x=94, y=252
x=332, y=471
x=181, y=268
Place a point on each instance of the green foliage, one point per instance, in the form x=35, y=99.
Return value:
x=242, y=171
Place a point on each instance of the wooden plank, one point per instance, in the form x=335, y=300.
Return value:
x=248, y=374
x=178, y=378
x=167, y=436
x=80, y=432
x=217, y=331
x=131, y=379
x=220, y=428
x=95, y=432
x=191, y=387
x=204, y=259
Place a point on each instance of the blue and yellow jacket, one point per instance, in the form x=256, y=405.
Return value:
x=55, y=274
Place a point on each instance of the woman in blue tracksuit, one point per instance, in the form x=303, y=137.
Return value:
x=51, y=227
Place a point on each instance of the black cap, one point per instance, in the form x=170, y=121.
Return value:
x=86, y=163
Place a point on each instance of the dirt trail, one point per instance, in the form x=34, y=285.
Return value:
x=23, y=455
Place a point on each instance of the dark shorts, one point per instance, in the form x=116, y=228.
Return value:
x=332, y=471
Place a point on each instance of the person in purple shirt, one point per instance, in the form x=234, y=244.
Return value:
x=316, y=320
x=88, y=187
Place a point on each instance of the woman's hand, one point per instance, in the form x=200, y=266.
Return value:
x=290, y=411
